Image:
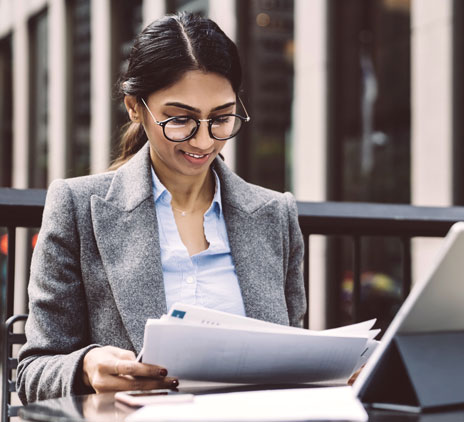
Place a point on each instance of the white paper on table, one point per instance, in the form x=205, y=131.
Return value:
x=295, y=405
x=210, y=317
x=209, y=353
x=209, y=345
x=366, y=354
x=358, y=327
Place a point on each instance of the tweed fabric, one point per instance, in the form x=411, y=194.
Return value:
x=96, y=273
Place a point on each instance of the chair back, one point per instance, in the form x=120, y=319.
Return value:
x=9, y=364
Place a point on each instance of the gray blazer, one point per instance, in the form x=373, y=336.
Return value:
x=96, y=272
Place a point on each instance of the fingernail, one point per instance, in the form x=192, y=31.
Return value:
x=174, y=383
x=163, y=372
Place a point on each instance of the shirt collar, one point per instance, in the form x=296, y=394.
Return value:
x=217, y=201
x=160, y=191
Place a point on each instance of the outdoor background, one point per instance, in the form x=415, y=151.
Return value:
x=351, y=100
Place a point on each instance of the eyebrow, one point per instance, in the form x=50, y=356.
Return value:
x=196, y=110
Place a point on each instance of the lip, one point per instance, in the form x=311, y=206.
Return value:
x=195, y=158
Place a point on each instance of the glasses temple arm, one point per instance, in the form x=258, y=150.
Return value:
x=248, y=118
x=151, y=114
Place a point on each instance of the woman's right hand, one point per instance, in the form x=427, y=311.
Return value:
x=109, y=368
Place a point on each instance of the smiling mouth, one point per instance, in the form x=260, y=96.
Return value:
x=197, y=156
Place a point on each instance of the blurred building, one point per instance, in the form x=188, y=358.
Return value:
x=353, y=100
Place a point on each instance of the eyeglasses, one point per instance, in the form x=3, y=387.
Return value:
x=183, y=128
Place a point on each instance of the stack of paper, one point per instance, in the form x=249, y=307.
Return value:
x=201, y=344
x=294, y=405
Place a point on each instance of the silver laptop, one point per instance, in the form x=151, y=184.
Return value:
x=419, y=363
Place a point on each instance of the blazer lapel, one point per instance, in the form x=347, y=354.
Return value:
x=126, y=232
x=250, y=228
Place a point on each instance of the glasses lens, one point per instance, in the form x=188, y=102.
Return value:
x=180, y=128
x=226, y=126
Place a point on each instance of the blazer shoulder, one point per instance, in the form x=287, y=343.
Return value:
x=248, y=196
x=270, y=194
x=75, y=193
x=267, y=195
x=83, y=186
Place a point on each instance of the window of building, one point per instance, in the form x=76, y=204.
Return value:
x=265, y=39
x=126, y=25
x=193, y=6
x=79, y=99
x=38, y=100
x=458, y=103
x=370, y=130
x=6, y=115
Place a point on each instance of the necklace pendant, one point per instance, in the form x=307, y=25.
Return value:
x=183, y=213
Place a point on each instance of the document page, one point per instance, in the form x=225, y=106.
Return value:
x=199, y=344
x=293, y=405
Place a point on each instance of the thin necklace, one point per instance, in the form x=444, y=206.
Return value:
x=182, y=212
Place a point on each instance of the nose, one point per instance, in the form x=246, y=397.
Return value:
x=202, y=140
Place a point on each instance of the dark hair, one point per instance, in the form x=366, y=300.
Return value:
x=162, y=53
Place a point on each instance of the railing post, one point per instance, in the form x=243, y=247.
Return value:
x=356, y=296
x=10, y=271
x=306, y=278
x=406, y=246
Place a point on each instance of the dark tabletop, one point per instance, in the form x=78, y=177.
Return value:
x=102, y=407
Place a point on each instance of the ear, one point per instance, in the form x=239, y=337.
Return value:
x=133, y=108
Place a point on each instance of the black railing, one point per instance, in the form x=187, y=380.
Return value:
x=360, y=220
x=23, y=208
x=18, y=208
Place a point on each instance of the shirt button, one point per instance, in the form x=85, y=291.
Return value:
x=190, y=279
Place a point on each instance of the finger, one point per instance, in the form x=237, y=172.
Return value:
x=138, y=369
x=140, y=383
x=354, y=376
x=125, y=354
x=118, y=353
x=124, y=383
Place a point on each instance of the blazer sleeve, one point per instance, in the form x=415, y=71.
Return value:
x=294, y=284
x=50, y=362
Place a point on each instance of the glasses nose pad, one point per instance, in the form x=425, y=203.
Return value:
x=202, y=138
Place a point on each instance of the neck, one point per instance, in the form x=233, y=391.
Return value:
x=192, y=195
x=189, y=193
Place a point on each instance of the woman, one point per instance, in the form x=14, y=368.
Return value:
x=170, y=223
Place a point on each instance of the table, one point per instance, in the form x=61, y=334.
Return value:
x=102, y=407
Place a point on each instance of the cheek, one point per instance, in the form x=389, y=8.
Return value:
x=163, y=147
x=220, y=145
x=157, y=139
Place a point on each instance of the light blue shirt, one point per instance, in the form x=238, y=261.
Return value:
x=208, y=278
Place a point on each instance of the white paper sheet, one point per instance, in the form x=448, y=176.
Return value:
x=295, y=405
x=207, y=345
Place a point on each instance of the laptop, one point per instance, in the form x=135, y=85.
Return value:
x=419, y=363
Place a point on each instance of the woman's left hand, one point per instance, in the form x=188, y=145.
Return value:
x=354, y=376
x=109, y=368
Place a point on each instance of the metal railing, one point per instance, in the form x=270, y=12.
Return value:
x=23, y=208
x=360, y=220
x=18, y=208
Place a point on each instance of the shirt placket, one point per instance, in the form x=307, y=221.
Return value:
x=189, y=282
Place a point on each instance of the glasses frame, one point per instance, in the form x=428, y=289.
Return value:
x=163, y=123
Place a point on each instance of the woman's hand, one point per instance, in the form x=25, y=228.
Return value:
x=354, y=376
x=112, y=369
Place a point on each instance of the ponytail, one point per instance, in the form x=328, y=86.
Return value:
x=132, y=140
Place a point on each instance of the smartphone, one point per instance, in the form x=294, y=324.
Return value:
x=146, y=397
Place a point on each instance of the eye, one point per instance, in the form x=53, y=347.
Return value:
x=220, y=120
x=179, y=121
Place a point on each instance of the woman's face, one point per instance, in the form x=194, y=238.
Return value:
x=199, y=95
